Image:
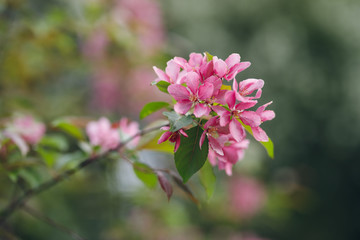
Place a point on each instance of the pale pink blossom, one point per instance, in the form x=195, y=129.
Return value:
x=28, y=128
x=173, y=137
x=246, y=196
x=230, y=67
x=171, y=73
x=194, y=94
x=265, y=115
x=101, y=133
x=247, y=87
x=128, y=130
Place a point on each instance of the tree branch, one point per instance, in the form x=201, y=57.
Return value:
x=20, y=201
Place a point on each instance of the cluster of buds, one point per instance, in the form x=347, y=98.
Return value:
x=222, y=111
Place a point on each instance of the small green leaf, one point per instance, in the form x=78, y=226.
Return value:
x=55, y=141
x=151, y=108
x=269, y=146
x=145, y=174
x=209, y=57
x=49, y=156
x=208, y=179
x=177, y=121
x=163, y=86
x=69, y=128
x=189, y=158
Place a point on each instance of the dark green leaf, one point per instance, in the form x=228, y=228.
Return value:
x=151, y=108
x=189, y=158
x=163, y=86
x=145, y=174
x=208, y=179
x=177, y=121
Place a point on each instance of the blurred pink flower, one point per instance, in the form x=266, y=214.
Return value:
x=94, y=47
x=129, y=129
x=102, y=134
x=247, y=196
x=143, y=17
x=28, y=128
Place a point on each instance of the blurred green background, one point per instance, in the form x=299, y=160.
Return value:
x=93, y=58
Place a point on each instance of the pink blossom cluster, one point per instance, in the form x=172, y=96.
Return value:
x=108, y=136
x=197, y=87
x=23, y=131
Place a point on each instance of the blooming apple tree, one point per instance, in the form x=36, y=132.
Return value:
x=206, y=125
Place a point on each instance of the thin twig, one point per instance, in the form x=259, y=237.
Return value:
x=17, y=203
x=51, y=222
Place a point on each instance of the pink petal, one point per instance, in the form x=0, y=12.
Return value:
x=181, y=61
x=211, y=122
x=160, y=73
x=267, y=115
x=215, y=145
x=207, y=70
x=201, y=110
x=250, y=118
x=224, y=115
x=183, y=107
x=172, y=70
x=195, y=59
x=164, y=137
x=212, y=157
x=242, y=66
x=230, y=99
x=193, y=81
x=220, y=67
x=259, y=134
x=249, y=85
x=183, y=133
x=245, y=105
x=19, y=142
x=178, y=92
x=177, y=144
x=232, y=60
x=206, y=91
x=231, y=154
x=237, y=130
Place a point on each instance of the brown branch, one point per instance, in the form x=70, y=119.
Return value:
x=51, y=222
x=20, y=201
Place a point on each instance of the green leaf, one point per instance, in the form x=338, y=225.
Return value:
x=189, y=158
x=163, y=86
x=145, y=174
x=208, y=179
x=69, y=128
x=151, y=108
x=209, y=57
x=49, y=156
x=177, y=121
x=55, y=141
x=269, y=146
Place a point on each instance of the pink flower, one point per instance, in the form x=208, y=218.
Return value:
x=247, y=196
x=24, y=130
x=230, y=67
x=265, y=115
x=233, y=152
x=216, y=135
x=29, y=129
x=102, y=134
x=247, y=87
x=173, y=137
x=127, y=130
x=235, y=113
x=194, y=94
x=171, y=73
